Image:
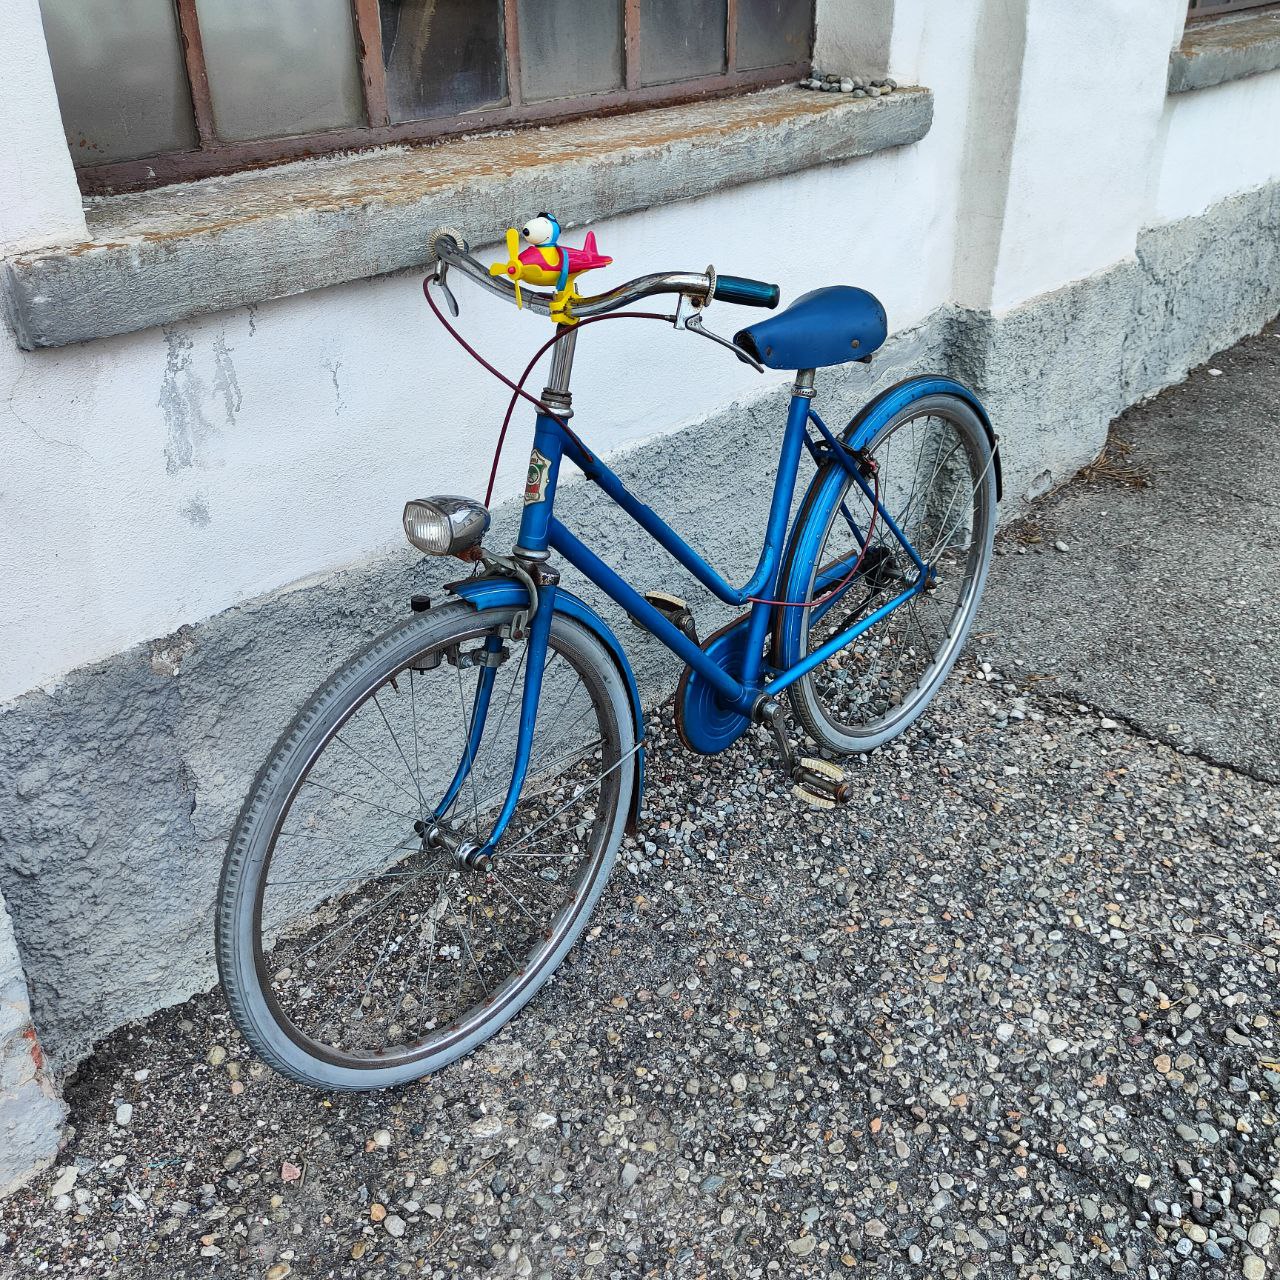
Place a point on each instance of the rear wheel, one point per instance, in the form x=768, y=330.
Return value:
x=934, y=471
x=360, y=941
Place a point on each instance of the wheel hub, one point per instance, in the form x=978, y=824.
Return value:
x=438, y=837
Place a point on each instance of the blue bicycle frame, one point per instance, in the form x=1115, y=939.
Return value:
x=541, y=532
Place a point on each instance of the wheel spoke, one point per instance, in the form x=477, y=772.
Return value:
x=931, y=481
x=378, y=940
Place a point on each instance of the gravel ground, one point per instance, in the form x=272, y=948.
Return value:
x=1011, y=1013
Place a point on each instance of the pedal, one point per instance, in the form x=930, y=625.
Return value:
x=676, y=612
x=819, y=783
x=811, y=798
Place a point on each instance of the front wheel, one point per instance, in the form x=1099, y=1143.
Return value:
x=361, y=941
x=931, y=465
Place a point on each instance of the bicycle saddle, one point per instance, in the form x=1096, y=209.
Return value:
x=827, y=326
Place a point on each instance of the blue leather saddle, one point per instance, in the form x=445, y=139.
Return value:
x=828, y=326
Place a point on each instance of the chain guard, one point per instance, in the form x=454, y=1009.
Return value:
x=704, y=723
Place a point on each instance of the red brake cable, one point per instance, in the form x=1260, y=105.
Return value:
x=857, y=564
x=517, y=388
x=518, y=392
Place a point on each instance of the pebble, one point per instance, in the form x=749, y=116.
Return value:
x=65, y=1180
x=124, y=1113
x=1253, y=1268
x=980, y=851
x=382, y=1137
x=393, y=1224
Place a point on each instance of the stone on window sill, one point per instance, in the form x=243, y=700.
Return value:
x=159, y=256
x=1227, y=49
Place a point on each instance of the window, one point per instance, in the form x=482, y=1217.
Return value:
x=161, y=90
x=1211, y=8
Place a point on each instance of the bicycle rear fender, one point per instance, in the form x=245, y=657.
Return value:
x=806, y=532
x=504, y=593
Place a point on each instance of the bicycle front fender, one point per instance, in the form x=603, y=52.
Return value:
x=505, y=593
x=807, y=531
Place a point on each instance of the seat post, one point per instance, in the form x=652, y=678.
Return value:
x=803, y=384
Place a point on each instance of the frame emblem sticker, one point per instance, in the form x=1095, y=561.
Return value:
x=535, y=487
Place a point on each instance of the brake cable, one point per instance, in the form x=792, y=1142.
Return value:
x=517, y=388
x=518, y=392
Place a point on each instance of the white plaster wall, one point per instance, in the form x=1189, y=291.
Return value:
x=1217, y=143
x=39, y=200
x=154, y=479
x=1089, y=109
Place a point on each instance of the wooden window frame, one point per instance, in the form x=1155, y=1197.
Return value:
x=1216, y=8
x=214, y=156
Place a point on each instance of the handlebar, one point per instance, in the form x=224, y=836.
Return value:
x=450, y=251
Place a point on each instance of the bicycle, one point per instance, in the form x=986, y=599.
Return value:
x=431, y=833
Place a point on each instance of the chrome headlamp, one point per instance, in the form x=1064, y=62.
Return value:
x=444, y=526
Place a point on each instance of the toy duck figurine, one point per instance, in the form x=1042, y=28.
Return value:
x=547, y=262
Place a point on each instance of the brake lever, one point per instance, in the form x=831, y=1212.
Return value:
x=441, y=272
x=691, y=320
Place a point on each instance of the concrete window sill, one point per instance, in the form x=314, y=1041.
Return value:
x=155, y=257
x=1229, y=49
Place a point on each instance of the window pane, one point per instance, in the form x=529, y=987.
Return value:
x=279, y=68
x=772, y=32
x=569, y=48
x=121, y=82
x=442, y=56
x=681, y=39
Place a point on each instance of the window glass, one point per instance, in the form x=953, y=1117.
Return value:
x=569, y=48
x=121, y=82
x=442, y=56
x=773, y=32
x=279, y=68
x=681, y=39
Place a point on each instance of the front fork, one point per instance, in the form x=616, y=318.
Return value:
x=537, y=639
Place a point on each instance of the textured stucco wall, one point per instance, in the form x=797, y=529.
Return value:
x=31, y=1112
x=129, y=773
x=230, y=455
x=1091, y=96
